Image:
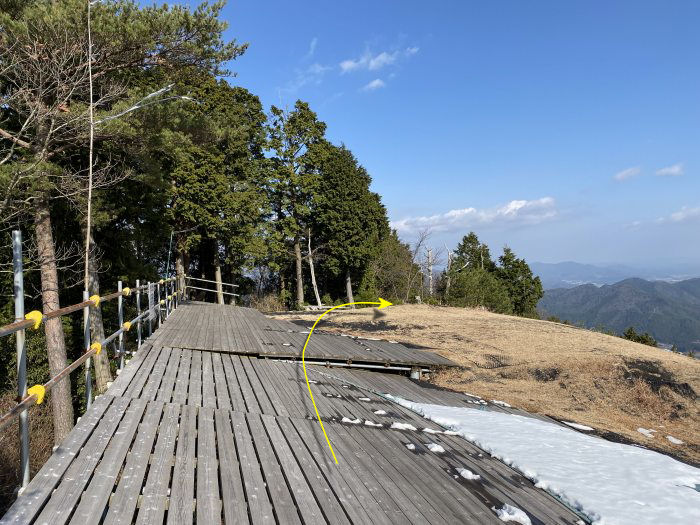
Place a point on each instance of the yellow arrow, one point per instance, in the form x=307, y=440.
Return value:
x=383, y=303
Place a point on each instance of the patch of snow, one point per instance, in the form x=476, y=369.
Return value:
x=500, y=403
x=372, y=423
x=345, y=386
x=434, y=447
x=602, y=479
x=468, y=474
x=577, y=426
x=353, y=421
x=472, y=395
x=364, y=399
x=313, y=382
x=673, y=440
x=451, y=433
x=286, y=344
x=402, y=426
x=512, y=514
x=431, y=431
x=410, y=446
x=646, y=432
x=380, y=412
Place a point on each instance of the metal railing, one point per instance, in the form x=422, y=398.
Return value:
x=158, y=309
x=216, y=290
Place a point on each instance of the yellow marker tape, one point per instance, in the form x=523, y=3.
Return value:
x=126, y=291
x=382, y=304
x=162, y=301
x=36, y=316
x=96, y=300
x=126, y=326
x=39, y=391
x=170, y=297
x=161, y=281
x=97, y=347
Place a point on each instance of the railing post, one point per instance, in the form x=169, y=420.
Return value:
x=166, y=288
x=175, y=288
x=138, y=313
x=21, y=355
x=86, y=338
x=150, y=321
x=158, y=304
x=121, y=323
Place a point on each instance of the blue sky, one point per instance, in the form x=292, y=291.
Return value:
x=567, y=130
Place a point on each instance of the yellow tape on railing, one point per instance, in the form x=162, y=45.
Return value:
x=162, y=301
x=39, y=391
x=95, y=300
x=126, y=326
x=97, y=347
x=126, y=291
x=161, y=281
x=36, y=316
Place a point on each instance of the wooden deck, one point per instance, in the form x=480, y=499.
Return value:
x=187, y=435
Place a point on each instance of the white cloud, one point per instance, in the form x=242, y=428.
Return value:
x=312, y=48
x=371, y=62
x=671, y=171
x=377, y=83
x=516, y=212
x=313, y=74
x=686, y=213
x=626, y=174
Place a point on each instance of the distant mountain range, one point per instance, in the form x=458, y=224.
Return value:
x=669, y=311
x=570, y=274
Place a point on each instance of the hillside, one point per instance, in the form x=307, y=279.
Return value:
x=605, y=382
x=570, y=274
x=668, y=311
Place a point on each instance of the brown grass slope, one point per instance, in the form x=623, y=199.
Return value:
x=571, y=374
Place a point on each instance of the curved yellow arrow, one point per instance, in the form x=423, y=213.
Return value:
x=383, y=303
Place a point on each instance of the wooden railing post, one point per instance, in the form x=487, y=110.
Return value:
x=120, y=308
x=86, y=339
x=21, y=355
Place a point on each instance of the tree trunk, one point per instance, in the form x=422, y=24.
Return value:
x=217, y=278
x=313, y=273
x=180, y=271
x=103, y=373
x=55, y=341
x=300, y=275
x=348, y=287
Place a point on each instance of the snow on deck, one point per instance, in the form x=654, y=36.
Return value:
x=612, y=483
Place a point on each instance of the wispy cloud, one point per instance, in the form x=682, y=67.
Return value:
x=627, y=174
x=375, y=84
x=686, y=213
x=371, y=62
x=313, y=74
x=516, y=212
x=671, y=171
x=312, y=48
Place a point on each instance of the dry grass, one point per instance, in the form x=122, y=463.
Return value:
x=568, y=373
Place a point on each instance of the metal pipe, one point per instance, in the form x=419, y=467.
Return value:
x=210, y=281
x=150, y=311
x=138, y=312
x=21, y=355
x=158, y=303
x=214, y=291
x=120, y=308
x=86, y=339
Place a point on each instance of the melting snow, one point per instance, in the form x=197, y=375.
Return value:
x=673, y=440
x=364, y=399
x=647, y=432
x=577, y=426
x=353, y=421
x=372, y=423
x=402, y=426
x=468, y=474
x=500, y=403
x=513, y=514
x=434, y=447
x=605, y=480
x=410, y=446
x=380, y=412
x=431, y=431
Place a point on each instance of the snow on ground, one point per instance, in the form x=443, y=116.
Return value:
x=508, y=513
x=646, y=432
x=410, y=446
x=364, y=399
x=402, y=426
x=434, y=447
x=577, y=426
x=468, y=474
x=353, y=421
x=614, y=484
x=372, y=423
x=673, y=440
x=380, y=412
x=500, y=403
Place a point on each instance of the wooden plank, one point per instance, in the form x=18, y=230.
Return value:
x=259, y=505
x=156, y=491
x=181, y=508
x=208, y=386
x=251, y=402
x=195, y=393
x=156, y=376
x=232, y=493
x=223, y=400
x=40, y=488
x=208, y=501
x=183, y=377
x=66, y=495
x=234, y=387
x=258, y=389
x=123, y=504
x=165, y=390
x=96, y=496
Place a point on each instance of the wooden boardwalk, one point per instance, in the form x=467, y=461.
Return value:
x=188, y=435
